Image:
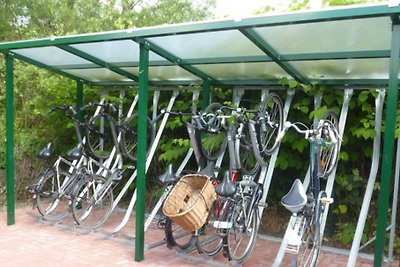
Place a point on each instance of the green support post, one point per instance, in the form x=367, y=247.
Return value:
x=10, y=163
x=387, y=157
x=79, y=99
x=206, y=94
x=142, y=150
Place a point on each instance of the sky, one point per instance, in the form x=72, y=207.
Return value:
x=244, y=8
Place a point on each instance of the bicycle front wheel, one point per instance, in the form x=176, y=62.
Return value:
x=209, y=240
x=329, y=155
x=99, y=137
x=92, y=202
x=48, y=195
x=241, y=236
x=212, y=138
x=312, y=240
x=248, y=162
x=129, y=136
x=177, y=237
x=272, y=113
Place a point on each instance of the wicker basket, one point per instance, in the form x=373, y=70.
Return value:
x=189, y=201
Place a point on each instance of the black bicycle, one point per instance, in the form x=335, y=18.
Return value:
x=308, y=204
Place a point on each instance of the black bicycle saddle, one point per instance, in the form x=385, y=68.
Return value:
x=209, y=170
x=296, y=198
x=76, y=152
x=46, y=152
x=227, y=188
x=168, y=177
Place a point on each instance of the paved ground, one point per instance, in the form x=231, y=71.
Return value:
x=32, y=242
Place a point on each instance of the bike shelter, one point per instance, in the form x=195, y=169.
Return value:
x=358, y=48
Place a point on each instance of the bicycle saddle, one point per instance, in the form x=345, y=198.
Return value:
x=227, y=188
x=296, y=198
x=46, y=152
x=168, y=177
x=209, y=170
x=76, y=152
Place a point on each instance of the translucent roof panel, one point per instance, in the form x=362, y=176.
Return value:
x=351, y=43
x=116, y=52
x=166, y=73
x=97, y=75
x=208, y=45
x=52, y=56
x=331, y=36
x=345, y=69
x=241, y=71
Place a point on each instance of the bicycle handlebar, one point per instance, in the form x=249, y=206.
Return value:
x=314, y=135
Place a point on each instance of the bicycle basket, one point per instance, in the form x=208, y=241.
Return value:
x=189, y=201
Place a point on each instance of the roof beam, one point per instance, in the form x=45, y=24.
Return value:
x=178, y=61
x=98, y=61
x=273, y=54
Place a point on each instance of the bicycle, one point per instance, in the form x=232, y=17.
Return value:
x=103, y=130
x=57, y=180
x=308, y=205
x=234, y=220
x=206, y=139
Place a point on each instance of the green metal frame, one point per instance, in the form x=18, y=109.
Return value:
x=10, y=117
x=388, y=147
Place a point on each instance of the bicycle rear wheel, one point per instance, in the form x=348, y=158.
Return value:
x=99, y=136
x=241, y=236
x=267, y=132
x=329, y=155
x=312, y=240
x=48, y=199
x=209, y=240
x=212, y=138
x=177, y=237
x=92, y=202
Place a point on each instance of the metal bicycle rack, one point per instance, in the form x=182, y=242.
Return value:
x=356, y=245
x=329, y=186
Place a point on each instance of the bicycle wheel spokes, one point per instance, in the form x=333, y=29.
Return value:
x=99, y=137
x=92, y=202
x=212, y=138
x=209, y=240
x=329, y=154
x=241, y=236
x=272, y=113
x=129, y=137
x=48, y=196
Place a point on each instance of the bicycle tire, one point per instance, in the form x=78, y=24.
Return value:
x=328, y=156
x=248, y=162
x=235, y=244
x=88, y=211
x=312, y=240
x=267, y=135
x=209, y=240
x=48, y=201
x=99, y=137
x=129, y=136
x=177, y=237
x=212, y=138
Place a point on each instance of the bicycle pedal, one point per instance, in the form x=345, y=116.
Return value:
x=326, y=200
x=262, y=204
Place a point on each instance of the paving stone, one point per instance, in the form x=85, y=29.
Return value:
x=32, y=242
